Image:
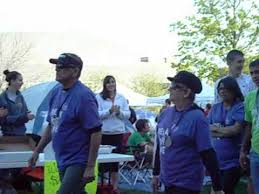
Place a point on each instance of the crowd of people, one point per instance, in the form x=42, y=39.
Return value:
x=221, y=138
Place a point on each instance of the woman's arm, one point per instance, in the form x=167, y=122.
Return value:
x=104, y=112
x=16, y=119
x=210, y=161
x=227, y=131
x=124, y=111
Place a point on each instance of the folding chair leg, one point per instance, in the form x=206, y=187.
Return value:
x=125, y=178
x=121, y=173
x=140, y=169
x=138, y=176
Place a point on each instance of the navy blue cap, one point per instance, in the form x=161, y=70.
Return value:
x=68, y=59
x=189, y=79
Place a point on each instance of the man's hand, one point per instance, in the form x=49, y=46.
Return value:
x=216, y=192
x=88, y=175
x=32, y=161
x=155, y=183
x=243, y=160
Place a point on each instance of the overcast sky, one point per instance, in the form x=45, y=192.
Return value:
x=104, y=32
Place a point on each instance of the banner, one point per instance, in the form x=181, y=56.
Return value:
x=52, y=183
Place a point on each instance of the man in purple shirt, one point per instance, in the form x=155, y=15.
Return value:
x=74, y=127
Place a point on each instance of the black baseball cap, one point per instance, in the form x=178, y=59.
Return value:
x=68, y=59
x=189, y=79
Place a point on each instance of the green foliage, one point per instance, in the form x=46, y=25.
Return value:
x=94, y=80
x=149, y=85
x=218, y=27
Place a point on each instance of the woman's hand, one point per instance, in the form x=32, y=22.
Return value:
x=117, y=109
x=214, y=127
x=155, y=183
x=30, y=116
x=243, y=160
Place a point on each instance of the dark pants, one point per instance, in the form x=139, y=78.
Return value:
x=230, y=179
x=71, y=180
x=114, y=140
x=178, y=190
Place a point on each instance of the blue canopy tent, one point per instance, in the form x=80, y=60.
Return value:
x=37, y=99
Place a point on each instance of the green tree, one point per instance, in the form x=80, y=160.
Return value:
x=218, y=27
x=94, y=80
x=149, y=85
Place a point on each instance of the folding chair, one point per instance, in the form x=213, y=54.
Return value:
x=137, y=169
x=125, y=150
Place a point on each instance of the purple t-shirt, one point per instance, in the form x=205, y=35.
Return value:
x=180, y=145
x=227, y=148
x=71, y=114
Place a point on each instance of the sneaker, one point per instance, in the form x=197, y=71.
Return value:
x=115, y=191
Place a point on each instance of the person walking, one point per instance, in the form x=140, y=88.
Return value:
x=74, y=127
x=183, y=142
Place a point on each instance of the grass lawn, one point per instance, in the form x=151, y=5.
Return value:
x=241, y=189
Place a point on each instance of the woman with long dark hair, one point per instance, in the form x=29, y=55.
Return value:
x=12, y=99
x=113, y=110
x=226, y=122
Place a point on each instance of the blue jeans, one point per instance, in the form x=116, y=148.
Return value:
x=71, y=180
x=254, y=166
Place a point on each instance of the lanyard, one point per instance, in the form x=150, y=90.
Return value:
x=60, y=107
x=177, y=121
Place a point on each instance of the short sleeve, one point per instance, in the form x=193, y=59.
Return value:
x=88, y=112
x=209, y=118
x=53, y=93
x=248, y=114
x=238, y=113
x=202, y=134
x=136, y=140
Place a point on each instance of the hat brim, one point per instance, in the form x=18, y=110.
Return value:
x=171, y=79
x=54, y=61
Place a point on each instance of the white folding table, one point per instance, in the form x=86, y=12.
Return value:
x=22, y=164
x=102, y=158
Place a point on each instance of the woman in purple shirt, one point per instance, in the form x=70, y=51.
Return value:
x=183, y=141
x=226, y=122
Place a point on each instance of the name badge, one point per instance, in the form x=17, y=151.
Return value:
x=168, y=141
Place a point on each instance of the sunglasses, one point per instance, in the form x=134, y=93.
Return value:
x=64, y=67
x=175, y=86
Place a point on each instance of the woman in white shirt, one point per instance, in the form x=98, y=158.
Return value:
x=113, y=110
